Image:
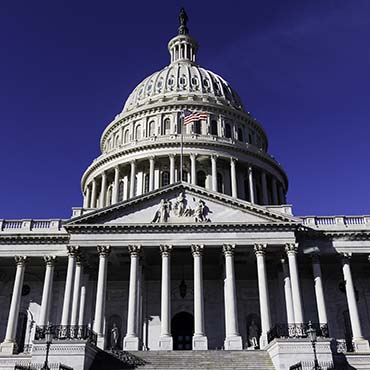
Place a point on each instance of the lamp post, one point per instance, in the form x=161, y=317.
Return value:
x=48, y=340
x=312, y=335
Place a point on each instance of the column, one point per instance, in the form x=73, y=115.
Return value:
x=291, y=250
x=359, y=343
x=66, y=312
x=319, y=293
x=132, y=179
x=116, y=185
x=93, y=195
x=76, y=292
x=103, y=190
x=47, y=291
x=233, y=341
x=288, y=293
x=151, y=173
x=101, y=288
x=131, y=340
x=81, y=313
x=165, y=339
x=200, y=341
x=264, y=188
x=260, y=250
x=251, y=184
x=87, y=199
x=193, y=166
x=275, y=199
x=214, y=172
x=9, y=345
x=234, y=186
x=172, y=168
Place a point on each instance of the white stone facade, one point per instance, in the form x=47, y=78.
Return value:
x=215, y=261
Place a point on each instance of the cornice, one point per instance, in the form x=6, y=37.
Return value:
x=34, y=239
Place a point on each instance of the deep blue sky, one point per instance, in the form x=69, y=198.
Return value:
x=301, y=67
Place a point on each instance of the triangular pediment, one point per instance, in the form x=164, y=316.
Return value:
x=181, y=203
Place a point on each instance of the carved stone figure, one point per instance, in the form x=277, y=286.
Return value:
x=180, y=205
x=253, y=334
x=114, y=336
x=163, y=212
x=199, y=212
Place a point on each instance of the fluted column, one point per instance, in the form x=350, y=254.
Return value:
x=9, y=345
x=264, y=188
x=200, y=341
x=291, y=250
x=103, y=190
x=214, y=172
x=81, y=313
x=275, y=199
x=319, y=292
x=251, y=184
x=260, y=250
x=234, y=183
x=47, y=291
x=233, y=340
x=288, y=293
x=172, y=168
x=151, y=173
x=66, y=312
x=165, y=339
x=131, y=340
x=193, y=167
x=116, y=186
x=359, y=343
x=93, y=194
x=132, y=178
x=87, y=197
x=101, y=292
x=76, y=292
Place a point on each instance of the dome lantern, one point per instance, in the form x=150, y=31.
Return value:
x=183, y=47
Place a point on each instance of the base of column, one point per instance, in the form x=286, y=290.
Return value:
x=361, y=345
x=200, y=343
x=263, y=341
x=165, y=343
x=8, y=348
x=233, y=343
x=131, y=343
x=100, y=342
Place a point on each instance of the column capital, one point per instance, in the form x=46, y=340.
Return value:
x=233, y=160
x=103, y=250
x=315, y=257
x=134, y=250
x=116, y=167
x=215, y=156
x=103, y=174
x=73, y=250
x=133, y=162
x=291, y=248
x=228, y=249
x=20, y=260
x=50, y=260
x=197, y=250
x=165, y=250
x=172, y=155
x=345, y=257
x=152, y=157
x=193, y=156
x=260, y=249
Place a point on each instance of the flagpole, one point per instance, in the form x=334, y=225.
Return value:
x=181, y=144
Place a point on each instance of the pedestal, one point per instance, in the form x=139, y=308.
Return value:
x=100, y=342
x=233, y=343
x=8, y=348
x=200, y=343
x=361, y=345
x=131, y=343
x=263, y=341
x=165, y=343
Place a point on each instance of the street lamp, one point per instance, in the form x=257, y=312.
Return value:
x=312, y=335
x=48, y=340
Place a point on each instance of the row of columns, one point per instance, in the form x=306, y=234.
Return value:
x=74, y=296
x=278, y=197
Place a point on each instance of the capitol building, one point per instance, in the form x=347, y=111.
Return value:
x=184, y=248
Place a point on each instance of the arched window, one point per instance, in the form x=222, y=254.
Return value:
x=126, y=136
x=196, y=127
x=151, y=128
x=201, y=179
x=214, y=130
x=167, y=126
x=117, y=141
x=240, y=134
x=227, y=131
x=165, y=178
x=185, y=176
x=220, y=183
x=120, y=191
x=138, y=132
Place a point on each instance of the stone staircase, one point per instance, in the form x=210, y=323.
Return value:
x=181, y=360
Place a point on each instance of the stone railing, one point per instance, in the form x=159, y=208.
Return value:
x=26, y=226
x=325, y=222
x=296, y=331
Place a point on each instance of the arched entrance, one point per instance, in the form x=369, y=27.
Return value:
x=182, y=331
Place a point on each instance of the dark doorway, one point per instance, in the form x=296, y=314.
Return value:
x=21, y=331
x=182, y=331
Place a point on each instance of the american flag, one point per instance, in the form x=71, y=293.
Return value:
x=190, y=117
